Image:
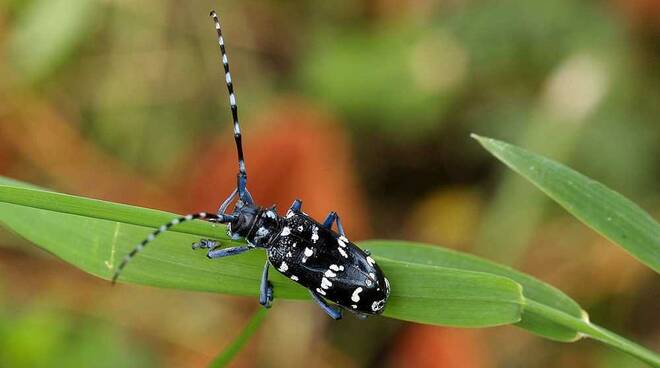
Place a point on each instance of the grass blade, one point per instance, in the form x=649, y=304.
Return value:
x=588, y=329
x=93, y=235
x=599, y=207
x=239, y=342
x=533, y=289
x=429, y=284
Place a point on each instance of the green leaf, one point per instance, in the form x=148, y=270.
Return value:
x=239, y=342
x=599, y=207
x=94, y=235
x=533, y=289
x=429, y=284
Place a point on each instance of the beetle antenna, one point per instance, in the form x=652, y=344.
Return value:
x=163, y=228
x=232, y=97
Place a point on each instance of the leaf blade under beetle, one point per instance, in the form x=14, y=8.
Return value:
x=532, y=288
x=93, y=235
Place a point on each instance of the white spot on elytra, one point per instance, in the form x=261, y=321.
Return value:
x=288, y=254
x=356, y=295
x=300, y=228
x=329, y=273
x=376, y=306
x=286, y=231
x=341, y=243
x=353, y=306
x=371, y=261
x=318, y=290
x=294, y=278
x=325, y=283
x=283, y=267
x=334, y=267
x=315, y=234
x=307, y=253
x=343, y=253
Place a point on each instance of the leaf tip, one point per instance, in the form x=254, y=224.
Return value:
x=484, y=141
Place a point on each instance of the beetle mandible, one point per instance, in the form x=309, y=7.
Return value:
x=304, y=250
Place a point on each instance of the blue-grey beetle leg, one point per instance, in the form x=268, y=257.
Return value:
x=332, y=312
x=223, y=207
x=334, y=217
x=226, y=252
x=205, y=244
x=340, y=228
x=327, y=223
x=265, y=288
x=296, y=206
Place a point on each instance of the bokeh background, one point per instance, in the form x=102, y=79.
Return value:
x=363, y=107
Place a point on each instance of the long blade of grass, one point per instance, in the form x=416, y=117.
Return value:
x=599, y=207
x=94, y=235
x=533, y=289
x=447, y=288
x=230, y=352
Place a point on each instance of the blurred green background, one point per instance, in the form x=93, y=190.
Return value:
x=363, y=107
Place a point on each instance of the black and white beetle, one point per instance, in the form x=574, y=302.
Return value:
x=308, y=252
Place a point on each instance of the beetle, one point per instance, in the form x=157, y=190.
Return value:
x=310, y=253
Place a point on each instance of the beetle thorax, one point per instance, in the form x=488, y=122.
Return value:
x=257, y=225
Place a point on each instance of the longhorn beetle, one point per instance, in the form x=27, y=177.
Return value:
x=308, y=252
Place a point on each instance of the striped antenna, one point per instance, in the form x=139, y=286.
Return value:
x=179, y=220
x=232, y=96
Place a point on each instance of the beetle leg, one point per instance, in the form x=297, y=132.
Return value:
x=339, y=227
x=223, y=207
x=265, y=288
x=296, y=206
x=205, y=244
x=226, y=252
x=334, y=217
x=332, y=312
x=329, y=220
